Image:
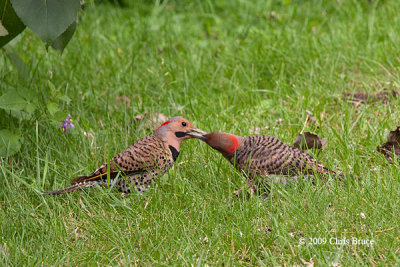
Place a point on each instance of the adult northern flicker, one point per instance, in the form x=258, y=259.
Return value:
x=142, y=162
x=264, y=156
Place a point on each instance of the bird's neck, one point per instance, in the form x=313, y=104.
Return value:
x=175, y=143
x=230, y=157
x=237, y=146
x=170, y=140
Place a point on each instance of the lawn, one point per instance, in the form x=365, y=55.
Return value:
x=234, y=66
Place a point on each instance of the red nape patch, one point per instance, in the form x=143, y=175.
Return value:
x=235, y=144
x=165, y=123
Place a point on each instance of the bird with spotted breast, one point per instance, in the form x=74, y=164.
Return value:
x=264, y=156
x=140, y=163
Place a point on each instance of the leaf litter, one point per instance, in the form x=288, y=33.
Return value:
x=363, y=97
x=309, y=140
x=391, y=146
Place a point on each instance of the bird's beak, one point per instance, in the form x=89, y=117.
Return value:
x=197, y=133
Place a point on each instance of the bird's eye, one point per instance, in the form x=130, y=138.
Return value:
x=184, y=124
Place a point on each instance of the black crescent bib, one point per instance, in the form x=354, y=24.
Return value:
x=175, y=153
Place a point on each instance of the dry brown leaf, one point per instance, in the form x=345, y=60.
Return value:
x=309, y=140
x=392, y=145
x=357, y=96
x=385, y=96
x=364, y=97
x=394, y=136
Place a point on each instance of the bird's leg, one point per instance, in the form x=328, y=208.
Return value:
x=251, y=187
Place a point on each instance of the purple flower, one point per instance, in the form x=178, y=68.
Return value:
x=67, y=123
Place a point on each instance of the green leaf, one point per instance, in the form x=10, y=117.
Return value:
x=28, y=93
x=51, y=86
x=20, y=114
x=61, y=42
x=65, y=98
x=47, y=18
x=9, y=143
x=59, y=116
x=52, y=108
x=10, y=22
x=30, y=108
x=12, y=101
x=20, y=65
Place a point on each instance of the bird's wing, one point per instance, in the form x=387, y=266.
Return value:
x=147, y=153
x=268, y=155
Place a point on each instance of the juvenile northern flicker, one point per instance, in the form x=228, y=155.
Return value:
x=264, y=156
x=142, y=162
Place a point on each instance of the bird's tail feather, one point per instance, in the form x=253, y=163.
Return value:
x=73, y=187
x=79, y=179
x=94, y=177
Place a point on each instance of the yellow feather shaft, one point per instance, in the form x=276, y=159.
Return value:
x=94, y=177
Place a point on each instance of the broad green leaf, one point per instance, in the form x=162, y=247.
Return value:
x=51, y=86
x=20, y=114
x=10, y=21
x=9, y=143
x=47, y=18
x=12, y=101
x=20, y=65
x=19, y=102
x=61, y=42
x=28, y=93
x=30, y=108
x=65, y=98
x=52, y=108
x=59, y=116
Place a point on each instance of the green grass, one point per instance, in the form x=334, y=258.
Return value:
x=230, y=66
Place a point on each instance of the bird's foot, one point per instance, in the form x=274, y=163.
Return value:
x=251, y=189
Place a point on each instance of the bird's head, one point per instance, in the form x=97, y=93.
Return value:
x=177, y=129
x=223, y=142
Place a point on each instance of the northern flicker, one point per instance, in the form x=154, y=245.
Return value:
x=264, y=156
x=142, y=162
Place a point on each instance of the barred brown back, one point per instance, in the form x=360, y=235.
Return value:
x=262, y=155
